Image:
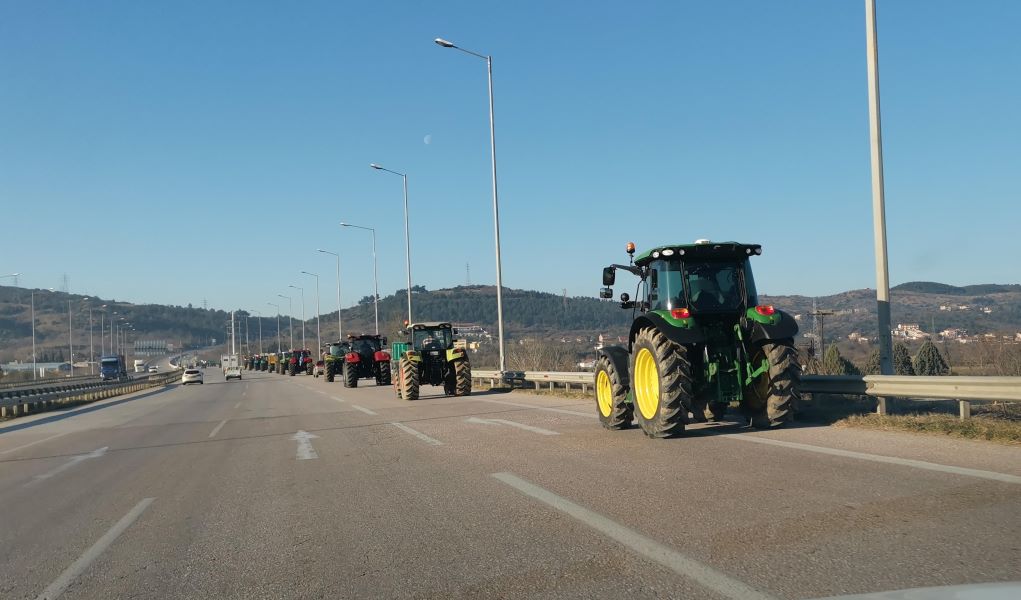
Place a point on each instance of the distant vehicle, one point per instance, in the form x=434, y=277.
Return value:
x=153, y=369
x=319, y=369
x=191, y=376
x=112, y=368
x=139, y=365
x=231, y=366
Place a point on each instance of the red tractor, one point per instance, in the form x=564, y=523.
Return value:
x=366, y=358
x=300, y=362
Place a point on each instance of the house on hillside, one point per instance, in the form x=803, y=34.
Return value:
x=910, y=331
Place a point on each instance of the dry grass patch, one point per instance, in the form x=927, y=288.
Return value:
x=977, y=428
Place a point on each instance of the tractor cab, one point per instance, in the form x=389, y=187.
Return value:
x=432, y=336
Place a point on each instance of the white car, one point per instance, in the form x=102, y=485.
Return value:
x=154, y=369
x=191, y=376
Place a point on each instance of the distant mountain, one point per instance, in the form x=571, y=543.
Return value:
x=988, y=308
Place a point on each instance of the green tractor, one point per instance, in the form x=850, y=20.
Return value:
x=699, y=339
x=334, y=359
x=366, y=358
x=429, y=357
x=283, y=361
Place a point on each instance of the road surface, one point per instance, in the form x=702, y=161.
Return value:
x=280, y=487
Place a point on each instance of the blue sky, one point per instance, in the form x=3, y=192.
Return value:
x=179, y=151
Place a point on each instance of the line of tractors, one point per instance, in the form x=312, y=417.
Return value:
x=428, y=355
x=700, y=344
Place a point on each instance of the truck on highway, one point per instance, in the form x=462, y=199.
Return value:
x=231, y=366
x=139, y=365
x=112, y=367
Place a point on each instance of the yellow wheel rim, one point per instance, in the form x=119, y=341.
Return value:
x=646, y=383
x=604, y=394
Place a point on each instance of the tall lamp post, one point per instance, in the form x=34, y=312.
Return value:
x=496, y=201
x=35, y=364
x=260, y=329
x=277, y=306
x=302, y=290
x=319, y=338
x=878, y=196
x=407, y=234
x=290, y=323
x=340, y=329
x=375, y=277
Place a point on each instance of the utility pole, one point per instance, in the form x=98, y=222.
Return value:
x=819, y=324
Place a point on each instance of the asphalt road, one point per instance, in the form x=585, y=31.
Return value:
x=281, y=487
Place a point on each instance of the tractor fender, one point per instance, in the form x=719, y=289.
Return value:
x=677, y=335
x=621, y=360
x=785, y=328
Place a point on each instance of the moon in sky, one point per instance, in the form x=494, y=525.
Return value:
x=428, y=139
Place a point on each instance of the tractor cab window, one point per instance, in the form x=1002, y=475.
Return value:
x=337, y=350
x=714, y=286
x=666, y=289
x=432, y=339
x=363, y=346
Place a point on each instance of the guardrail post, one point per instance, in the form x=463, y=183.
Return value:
x=965, y=409
x=881, y=408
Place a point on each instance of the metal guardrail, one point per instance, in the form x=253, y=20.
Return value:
x=964, y=389
x=13, y=404
x=45, y=381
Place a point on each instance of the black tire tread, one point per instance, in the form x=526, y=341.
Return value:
x=621, y=411
x=675, y=389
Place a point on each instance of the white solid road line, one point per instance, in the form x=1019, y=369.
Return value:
x=60, y=584
x=591, y=415
x=23, y=446
x=74, y=461
x=417, y=434
x=538, y=430
x=338, y=399
x=217, y=429
x=363, y=409
x=893, y=460
x=638, y=543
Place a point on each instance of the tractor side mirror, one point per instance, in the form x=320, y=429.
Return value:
x=606, y=292
x=625, y=297
x=455, y=331
x=609, y=276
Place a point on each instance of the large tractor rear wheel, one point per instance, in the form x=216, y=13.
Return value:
x=408, y=372
x=612, y=384
x=382, y=373
x=662, y=384
x=462, y=377
x=350, y=375
x=331, y=371
x=769, y=400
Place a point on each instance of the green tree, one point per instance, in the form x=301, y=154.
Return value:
x=872, y=366
x=835, y=364
x=929, y=361
x=902, y=360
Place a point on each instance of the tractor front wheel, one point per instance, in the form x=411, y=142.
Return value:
x=408, y=372
x=383, y=373
x=462, y=377
x=770, y=399
x=350, y=375
x=293, y=370
x=615, y=412
x=662, y=384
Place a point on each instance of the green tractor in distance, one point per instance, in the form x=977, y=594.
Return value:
x=283, y=361
x=429, y=357
x=699, y=339
x=334, y=359
x=366, y=358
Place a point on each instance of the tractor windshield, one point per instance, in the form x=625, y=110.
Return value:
x=337, y=350
x=432, y=339
x=713, y=286
x=364, y=346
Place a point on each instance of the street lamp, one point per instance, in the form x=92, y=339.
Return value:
x=302, y=290
x=277, y=306
x=35, y=365
x=260, y=329
x=407, y=234
x=319, y=339
x=375, y=278
x=12, y=275
x=878, y=196
x=340, y=331
x=496, y=203
x=290, y=323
